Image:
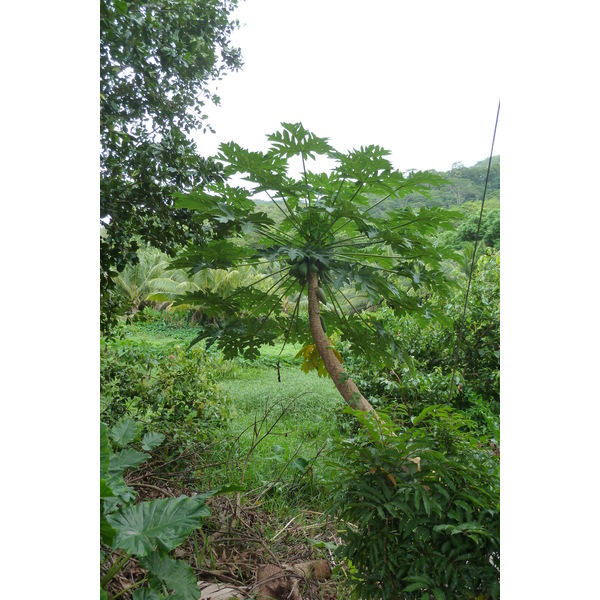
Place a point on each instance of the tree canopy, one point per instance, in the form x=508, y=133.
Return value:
x=156, y=59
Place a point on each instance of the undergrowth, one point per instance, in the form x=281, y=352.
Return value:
x=286, y=441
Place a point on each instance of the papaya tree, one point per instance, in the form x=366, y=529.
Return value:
x=326, y=242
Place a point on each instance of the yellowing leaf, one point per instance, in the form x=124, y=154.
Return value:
x=311, y=359
x=391, y=478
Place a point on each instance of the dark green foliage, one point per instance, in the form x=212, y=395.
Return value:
x=155, y=60
x=489, y=232
x=420, y=508
x=168, y=387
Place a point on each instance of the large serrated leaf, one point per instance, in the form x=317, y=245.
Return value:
x=122, y=493
x=107, y=531
x=105, y=490
x=162, y=523
x=176, y=574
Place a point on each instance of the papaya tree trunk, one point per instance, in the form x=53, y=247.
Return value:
x=343, y=383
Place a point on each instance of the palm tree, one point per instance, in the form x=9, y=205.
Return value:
x=172, y=285
x=135, y=281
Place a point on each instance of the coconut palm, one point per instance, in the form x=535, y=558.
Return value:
x=170, y=287
x=135, y=281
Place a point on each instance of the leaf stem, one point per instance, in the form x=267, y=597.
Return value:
x=274, y=236
x=385, y=198
x=338, y=218
x=117, y=566
x=356, y=311
x=296, y=309
x=291, y=215
x=131, y=587
x=350, y=254
x=305, y=178
x=334, y=300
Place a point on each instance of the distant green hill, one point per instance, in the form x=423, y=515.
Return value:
x=464, y=192
x=466, y=184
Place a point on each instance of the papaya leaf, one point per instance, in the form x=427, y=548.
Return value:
x=384, y=255
x=214, y=254
x=343, y=377
x=162, y=524
x=295, y=140
x=311, y=359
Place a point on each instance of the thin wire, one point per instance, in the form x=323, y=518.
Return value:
x=462, y=324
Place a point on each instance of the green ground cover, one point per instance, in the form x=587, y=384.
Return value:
x=301, y=409
x=298, y=410
x=278, y=442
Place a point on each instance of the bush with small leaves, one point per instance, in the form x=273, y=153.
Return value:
x=170, y=388
x=423, y=367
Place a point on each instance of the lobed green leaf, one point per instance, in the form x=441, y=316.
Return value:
x=162, y=524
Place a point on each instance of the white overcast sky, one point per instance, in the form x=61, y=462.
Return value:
x=418, y=78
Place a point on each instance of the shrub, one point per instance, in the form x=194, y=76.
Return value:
x=419, y=505
x=422, y=374
x=168, y=387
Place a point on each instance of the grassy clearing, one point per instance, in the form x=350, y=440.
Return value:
x=300, y=410
x=159, y=334
x=297, y=414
